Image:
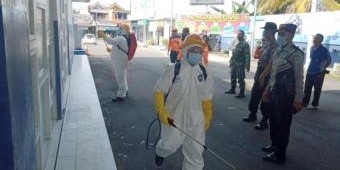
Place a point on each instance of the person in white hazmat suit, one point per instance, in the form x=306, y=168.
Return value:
x=188, y=105
x=119, y=59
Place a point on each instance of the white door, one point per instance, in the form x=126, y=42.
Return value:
x=41, y=83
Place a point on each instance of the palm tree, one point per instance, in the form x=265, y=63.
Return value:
x=331, y=5
x=295, y=6
x=273, y=6
x=237, y=8
x=241, y=8
x=221, y=11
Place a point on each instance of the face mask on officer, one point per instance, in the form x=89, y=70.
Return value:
x=281, y=40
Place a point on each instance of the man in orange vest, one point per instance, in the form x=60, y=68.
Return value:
x=174, y=45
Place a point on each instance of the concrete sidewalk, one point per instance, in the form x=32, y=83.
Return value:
x=84, y=143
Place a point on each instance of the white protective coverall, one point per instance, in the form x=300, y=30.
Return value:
x=119, y=61
x=184, y=105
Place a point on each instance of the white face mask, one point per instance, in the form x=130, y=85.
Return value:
x=281, y=40
x=194, y=58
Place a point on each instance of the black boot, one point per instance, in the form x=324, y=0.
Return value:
x=251, y=118
x=272, y=157
x=231, y=91
x=262, y=125
x=241, y=94
x=159, y=160
x=118, y=99
x=269, y=148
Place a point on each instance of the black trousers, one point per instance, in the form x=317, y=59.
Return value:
x=256, y=96
x=282, y=110
x=280, y=119
x=316, y=81
x=173, y=56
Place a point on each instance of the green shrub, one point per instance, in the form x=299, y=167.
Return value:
x=164, y=42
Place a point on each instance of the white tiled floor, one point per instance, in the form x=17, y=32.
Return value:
x=84, y=142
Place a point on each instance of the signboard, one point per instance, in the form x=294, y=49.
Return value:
x=143, y=22
x=206, y=2
x=214, y=24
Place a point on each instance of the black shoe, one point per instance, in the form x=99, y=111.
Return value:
x=249, y=119
x=269, y=148
x=159, y=160
x=231, y=91
x=240, y=96
x=127, y=93
x=118, y=99
x=273, y=158
x=261, y=126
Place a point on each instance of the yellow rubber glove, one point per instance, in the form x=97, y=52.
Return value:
x=163, y=114
x=101, y=34
x=207, y=111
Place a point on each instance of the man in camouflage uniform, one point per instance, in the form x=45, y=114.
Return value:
x=261, y=77
x=284, y=92
x=239, y=61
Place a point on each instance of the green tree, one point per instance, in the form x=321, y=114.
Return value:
x=295, y=6
x=242, y=8
x=221, y=11
x=237, y=8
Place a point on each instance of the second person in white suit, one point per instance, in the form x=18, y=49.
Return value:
x=119, y=60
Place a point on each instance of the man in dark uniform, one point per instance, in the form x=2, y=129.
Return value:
x=284, y=92
x=239, y=61
x=261, y=77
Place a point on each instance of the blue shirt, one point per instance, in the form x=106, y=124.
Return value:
x=320, y=59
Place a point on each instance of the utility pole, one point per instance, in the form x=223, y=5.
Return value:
x=310, y=37
x=171, y=17
x=206, y=8
x=254, y=27
x=130, y=6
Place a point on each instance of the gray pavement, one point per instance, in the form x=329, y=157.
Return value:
x=314, y=134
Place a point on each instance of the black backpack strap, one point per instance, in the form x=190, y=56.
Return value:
x=128, y=40
x=204, y=71
x=122, y=49
x=176, y=71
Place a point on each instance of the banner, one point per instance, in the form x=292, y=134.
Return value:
x=214, y=24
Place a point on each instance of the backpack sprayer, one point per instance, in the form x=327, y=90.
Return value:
x=171, y=123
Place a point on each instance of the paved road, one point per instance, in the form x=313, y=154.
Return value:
x=315, y=135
